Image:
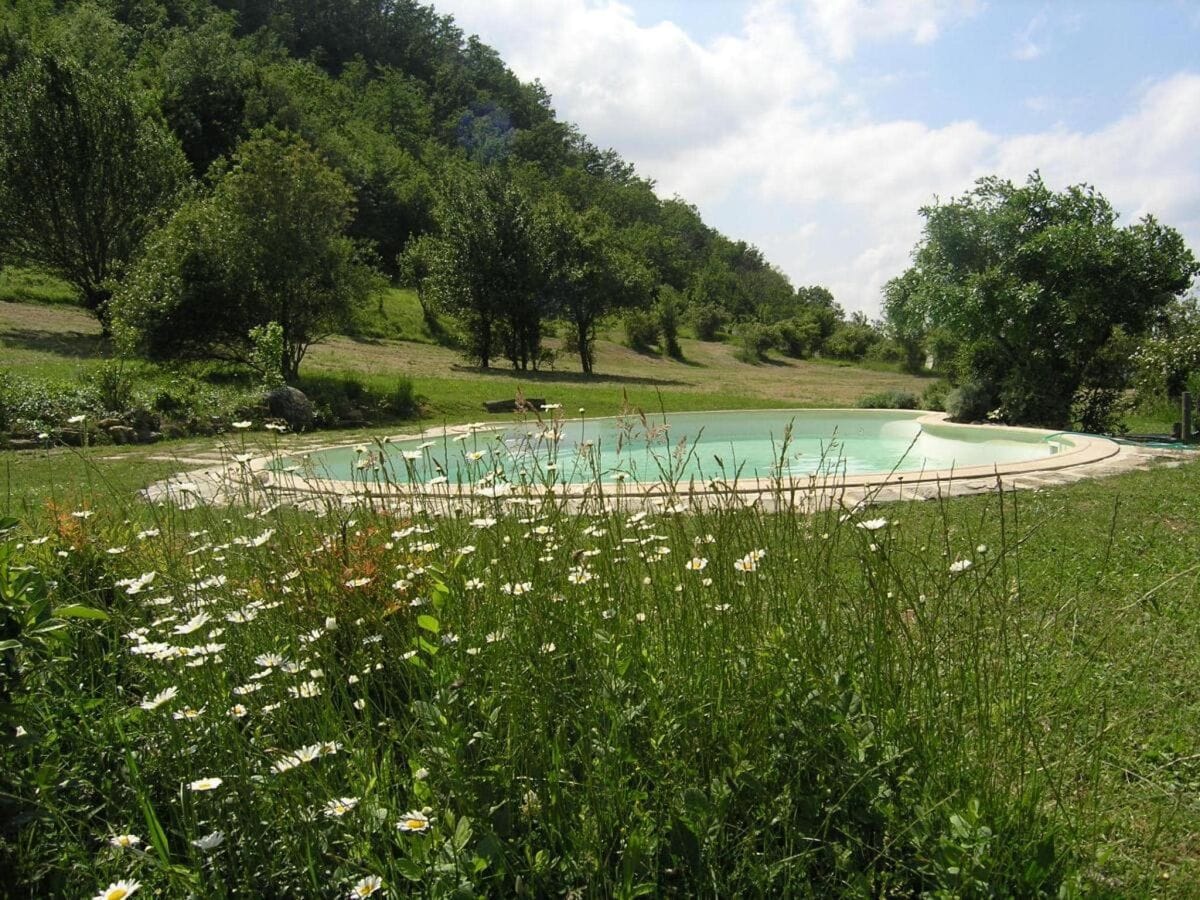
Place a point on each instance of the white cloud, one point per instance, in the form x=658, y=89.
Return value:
x=844, y=24
x=1028, y=46
x=758, y=131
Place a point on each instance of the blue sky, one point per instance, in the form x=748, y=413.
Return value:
x=817, y=128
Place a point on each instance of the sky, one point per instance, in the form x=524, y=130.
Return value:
x=817, y=129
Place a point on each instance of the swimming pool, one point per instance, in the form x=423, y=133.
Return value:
x=742, y=446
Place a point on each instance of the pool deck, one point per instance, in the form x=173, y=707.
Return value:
x=236, y=480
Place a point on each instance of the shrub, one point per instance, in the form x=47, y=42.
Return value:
x=641, y=330
x=797, y=338
x=667, y=312
x=934, y=396
x=401, y=401
x=754, y=342
x=708, y=319
x=969, y=402
x=890, y=400
x=1099, y=410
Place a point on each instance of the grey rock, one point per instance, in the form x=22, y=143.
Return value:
x=122, y=434
x=291, y=405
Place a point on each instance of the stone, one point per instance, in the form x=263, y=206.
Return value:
x=122, y=434
x=109, y=424
x=291, y=405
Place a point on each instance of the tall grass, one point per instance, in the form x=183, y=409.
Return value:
x=521, y=699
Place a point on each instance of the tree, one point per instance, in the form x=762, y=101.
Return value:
x=268, y=245
x=84, y=175
x=487, y=266
x=1034, y=284
x=589, y=272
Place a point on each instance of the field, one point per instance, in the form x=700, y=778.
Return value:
x=988, y=696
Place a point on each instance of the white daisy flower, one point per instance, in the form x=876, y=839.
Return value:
x=161, y=697
x=414, y=821
x=119, y=890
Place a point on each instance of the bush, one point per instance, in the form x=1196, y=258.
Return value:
x=754, y=342
x=797, y=338
x=401, y=401
x=708, y=319
x=969, y=402
x=641, y=330
x=934, y=396
x=667, y=312
x=890, y=400
x=1099, y=410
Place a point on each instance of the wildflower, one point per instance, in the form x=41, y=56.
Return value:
x=125, y=841
x=195, y=622
x=483, y=522
x=473, y=584
x=517, y=588
x=338, y=807
x=414, y=821
x=696, y=564
x=358, y=582
x=160, y=698
x=367, y=886
x=83, y=514
x=549, y=647
x=238, y=711
x=75, y=420
x=242, y=426
x=210, y=841
x=268, y=660
x=119, y=890
x=305, y=689
x=243, y=457
x=243, y=689
x=873, y=524
x=960, y=565
x=188, y=713
x=328, y=748
x=421, y=774
x=206, y=784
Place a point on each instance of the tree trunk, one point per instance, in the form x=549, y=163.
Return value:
x=583, y=334
x=96, y=299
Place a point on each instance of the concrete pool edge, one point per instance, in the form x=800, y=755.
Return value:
x=1087, y=456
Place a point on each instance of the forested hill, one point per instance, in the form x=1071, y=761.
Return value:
x=394, y=98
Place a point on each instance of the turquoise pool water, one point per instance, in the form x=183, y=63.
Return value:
x=683, y=446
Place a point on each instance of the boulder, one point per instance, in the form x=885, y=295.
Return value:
x=291, y=405
x=122, y=434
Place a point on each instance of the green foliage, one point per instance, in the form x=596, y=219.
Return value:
x=797, y=337
x=969, y=402
x=275, y=223
x=641, y=330
x=267, y=353
x=485, y=266
x=852, y=340
x=84, y=174
x=934, y=395
x=708, y=319
x=1166, y=361
x=1033, y=284
x=755, y=341
x=890, y=400
x=668, y=310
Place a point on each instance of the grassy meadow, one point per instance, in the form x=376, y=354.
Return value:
x=985, y=696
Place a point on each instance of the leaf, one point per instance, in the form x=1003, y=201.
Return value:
x=462, y=834
x=410, y=870
x=78, y=611
x=9, y=645
x=429, y=623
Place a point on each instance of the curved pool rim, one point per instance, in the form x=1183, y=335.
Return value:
x=1080, y=450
